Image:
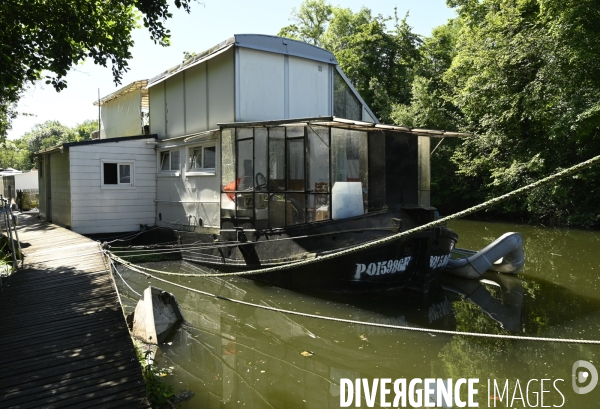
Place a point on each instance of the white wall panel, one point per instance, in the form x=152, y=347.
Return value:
x=157, y=110
x=221, y=101
x=196, y=111
x=262, y=87
x=175, y=112
x=309, y=88
x=122, y=116
x=98, y=210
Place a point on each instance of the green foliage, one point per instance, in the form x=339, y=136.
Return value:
x=158, y=391
x=43, y=39
x=18, y=153
x=379, y=61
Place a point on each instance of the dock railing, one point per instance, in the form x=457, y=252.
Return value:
x=9, y=224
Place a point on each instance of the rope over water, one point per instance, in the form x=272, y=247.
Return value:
x=372, y=324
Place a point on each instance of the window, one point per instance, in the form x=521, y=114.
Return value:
x=117, y=174
x=169, y=160
x=203, y=157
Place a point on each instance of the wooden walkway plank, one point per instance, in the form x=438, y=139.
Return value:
x=64, y=339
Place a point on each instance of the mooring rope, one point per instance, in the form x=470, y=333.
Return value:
x=393, y=237
x=372, y=324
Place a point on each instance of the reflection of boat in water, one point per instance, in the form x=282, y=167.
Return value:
x=299, y=189
x=228, y=353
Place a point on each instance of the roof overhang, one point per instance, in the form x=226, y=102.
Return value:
x=141, y=84
x=336, y=122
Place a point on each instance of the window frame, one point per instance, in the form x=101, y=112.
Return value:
x=119, y=185
x=201, y=171
x=170, y=171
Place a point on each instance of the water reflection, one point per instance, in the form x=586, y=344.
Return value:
x=235, y=356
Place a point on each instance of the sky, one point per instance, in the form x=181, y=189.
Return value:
x=209, y=23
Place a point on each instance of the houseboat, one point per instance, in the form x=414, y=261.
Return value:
x=257, y=152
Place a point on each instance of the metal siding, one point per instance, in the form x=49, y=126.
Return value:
x=308, y=88
x=221, y=104
x=157, y=111
x=175, y=106
x=262, y=85
x=195, y=99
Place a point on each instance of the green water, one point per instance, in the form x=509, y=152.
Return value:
x=234, y=356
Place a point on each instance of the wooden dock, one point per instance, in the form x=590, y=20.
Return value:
x=63, y=338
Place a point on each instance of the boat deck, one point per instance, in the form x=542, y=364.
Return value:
x=63, y=337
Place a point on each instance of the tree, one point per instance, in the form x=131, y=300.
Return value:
x=377, y=60
x=42, y=38
x=310, y=22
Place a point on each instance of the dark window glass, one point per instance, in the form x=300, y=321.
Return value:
x=209, y=157
x=124, y=174
x=110, y=174
x=345, y=103
x=295, y=165
x=260, y=159
x=244, y=162
x=296, y=208
x=318, y=159
x=276, y=210
x=276, y=159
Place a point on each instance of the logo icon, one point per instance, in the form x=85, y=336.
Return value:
x=582, y=372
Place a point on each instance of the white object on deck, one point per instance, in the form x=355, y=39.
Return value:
x=346, y=200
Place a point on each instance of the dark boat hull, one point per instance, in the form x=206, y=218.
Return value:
x=412, y=261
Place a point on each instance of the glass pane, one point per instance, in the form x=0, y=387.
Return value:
x=165, y=160
x=243, y=133
x=245, y=210
x=228, y=159
x=210, y=157
x=196, y=158
x=276, y=210
x=110, y=174
x=345, y=103
x=295, y=165
x=317, y=208
x=295, y=131
x=318, y=159
x=295, y=208
x=276, y=159
x=260, y=159
x=124, y=173
x=227, y=209
x=349, y=156
x=175, y=160
x=244, y=161
x=261, y=210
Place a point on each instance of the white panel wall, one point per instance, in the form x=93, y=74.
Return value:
x=175, y=106
x=196, y=109
x=27, y=180
x=122, y=116
x=309, y=88
x=61, y=189
x=221, y=101
x=98, y=210
x=186, y=194
x=261, y=85
x=156, y=95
